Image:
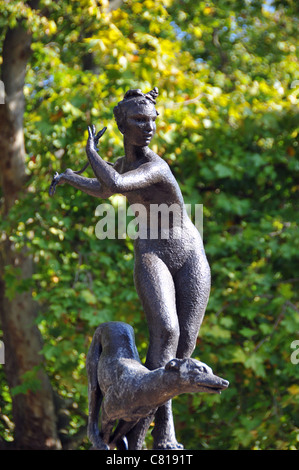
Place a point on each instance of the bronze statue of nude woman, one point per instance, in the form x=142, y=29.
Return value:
x=171, y=274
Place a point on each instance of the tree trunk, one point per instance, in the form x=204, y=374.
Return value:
x=33, y=410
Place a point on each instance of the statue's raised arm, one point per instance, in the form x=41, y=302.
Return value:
x=90, y=186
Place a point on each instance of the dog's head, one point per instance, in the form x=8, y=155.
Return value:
x=196, y=376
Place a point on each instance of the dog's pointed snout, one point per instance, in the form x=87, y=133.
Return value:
x=225, y=383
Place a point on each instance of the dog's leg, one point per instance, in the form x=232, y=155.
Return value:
x=106, y=427
x=118, y=438
x=137, y=434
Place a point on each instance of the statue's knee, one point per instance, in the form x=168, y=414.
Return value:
x=170, y=334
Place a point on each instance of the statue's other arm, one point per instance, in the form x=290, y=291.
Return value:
x=89, y=186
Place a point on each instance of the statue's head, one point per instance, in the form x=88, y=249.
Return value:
x=135, y=116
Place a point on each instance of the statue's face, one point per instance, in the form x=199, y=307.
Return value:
x=139, y=126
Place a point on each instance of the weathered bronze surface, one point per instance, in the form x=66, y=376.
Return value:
x=172, y=274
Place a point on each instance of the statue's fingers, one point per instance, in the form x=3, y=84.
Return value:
x=89, y=132
x=55, y=181
x=100, y=133
x=52, y=188
x=94, y=130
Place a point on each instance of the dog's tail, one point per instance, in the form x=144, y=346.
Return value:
x=92, y=359
x=95, y=396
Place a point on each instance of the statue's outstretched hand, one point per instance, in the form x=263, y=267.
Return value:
x=61, y=178
x=54, y=183
x=93, y=138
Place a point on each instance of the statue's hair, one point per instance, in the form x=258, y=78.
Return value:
x=138, y=97
x=151, y=95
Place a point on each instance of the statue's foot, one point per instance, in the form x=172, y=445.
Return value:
x=164, y=435
x=168, y=445
x=102, y=447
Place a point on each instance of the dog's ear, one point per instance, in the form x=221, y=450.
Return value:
x=172, y=365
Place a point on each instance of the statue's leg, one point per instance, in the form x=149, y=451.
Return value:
x=155, y=288
x=192, y=284
x=164, y=430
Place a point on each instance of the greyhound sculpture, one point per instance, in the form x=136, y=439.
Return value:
x=124, y=390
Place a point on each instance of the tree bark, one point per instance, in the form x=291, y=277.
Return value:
x=33, y=411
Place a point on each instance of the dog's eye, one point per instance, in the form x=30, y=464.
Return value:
x=172, y=365
x=202, y=369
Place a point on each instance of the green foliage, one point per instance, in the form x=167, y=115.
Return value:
x=30, y=382
x=228, y=126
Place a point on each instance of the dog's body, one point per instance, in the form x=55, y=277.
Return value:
x=123, y=389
